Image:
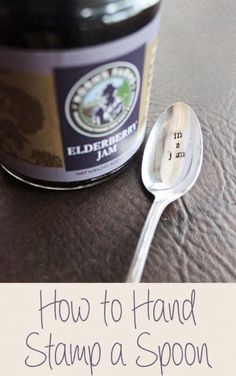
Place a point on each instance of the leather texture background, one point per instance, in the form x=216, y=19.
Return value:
x=90, y=235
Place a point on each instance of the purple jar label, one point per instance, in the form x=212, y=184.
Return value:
x=99, y=110
x=88, y=107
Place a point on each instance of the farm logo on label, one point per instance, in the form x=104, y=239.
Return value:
x=102, y=101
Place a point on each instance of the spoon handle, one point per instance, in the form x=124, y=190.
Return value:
x=141, y=252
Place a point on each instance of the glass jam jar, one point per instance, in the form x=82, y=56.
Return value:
x=75, y=81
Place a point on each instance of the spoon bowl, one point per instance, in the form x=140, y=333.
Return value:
x=173, y=154
x=171, y=164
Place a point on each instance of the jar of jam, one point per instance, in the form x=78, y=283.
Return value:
x=75, y=81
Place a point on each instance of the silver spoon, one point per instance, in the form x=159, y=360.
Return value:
x=171, y=164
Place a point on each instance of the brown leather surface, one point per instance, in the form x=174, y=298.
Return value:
x=90, y=235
